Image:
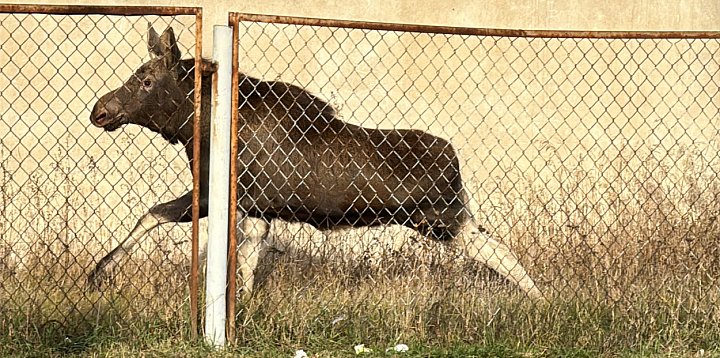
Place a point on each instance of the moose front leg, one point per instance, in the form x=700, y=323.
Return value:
x=178, y=210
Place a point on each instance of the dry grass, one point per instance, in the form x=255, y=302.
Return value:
x=621, y=236
x=626, y=253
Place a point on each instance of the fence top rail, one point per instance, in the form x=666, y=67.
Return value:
x=99, y=10
x=450, y=30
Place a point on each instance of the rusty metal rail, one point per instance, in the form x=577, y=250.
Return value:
x=471, y=31
x=99, y=10
x=196, y=178
x=232, y=218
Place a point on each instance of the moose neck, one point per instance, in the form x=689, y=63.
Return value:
x=180, y=126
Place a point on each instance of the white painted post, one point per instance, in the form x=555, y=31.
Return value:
x=216, y=276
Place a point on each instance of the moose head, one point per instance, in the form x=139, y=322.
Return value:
x=157, y=96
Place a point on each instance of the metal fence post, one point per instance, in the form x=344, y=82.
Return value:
x=218, y=190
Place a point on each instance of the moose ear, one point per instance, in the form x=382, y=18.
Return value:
x=154, y=42
x=164, y=46
x=170, y=48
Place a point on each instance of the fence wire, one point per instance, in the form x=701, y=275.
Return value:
x=594, y=159
x=71, y=191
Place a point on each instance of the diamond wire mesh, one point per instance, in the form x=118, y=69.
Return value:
x=595, y=160
x=70, y=191
x=603, y=180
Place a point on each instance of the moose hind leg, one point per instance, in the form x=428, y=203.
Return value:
x=178, y=210
x=480, y=246
x=252, y=238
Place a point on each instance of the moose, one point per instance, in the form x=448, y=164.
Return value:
x=298, y=162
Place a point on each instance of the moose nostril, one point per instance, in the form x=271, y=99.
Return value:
x=100, y=117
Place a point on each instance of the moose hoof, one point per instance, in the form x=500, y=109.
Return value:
x=98, y=278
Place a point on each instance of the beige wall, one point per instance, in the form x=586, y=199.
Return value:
x=125, y=174
x=692, y=15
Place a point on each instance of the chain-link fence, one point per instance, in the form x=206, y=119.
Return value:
x=594, y=159
x=72, y=191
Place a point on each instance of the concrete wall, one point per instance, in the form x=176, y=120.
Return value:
x=636, y=15
x=50, y=154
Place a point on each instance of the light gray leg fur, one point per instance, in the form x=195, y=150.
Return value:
x=173, y=211
x=113, y=260
x=252, y=240
x=487, y=250
x=497, y=256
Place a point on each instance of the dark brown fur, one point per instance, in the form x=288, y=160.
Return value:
x=299, y=162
